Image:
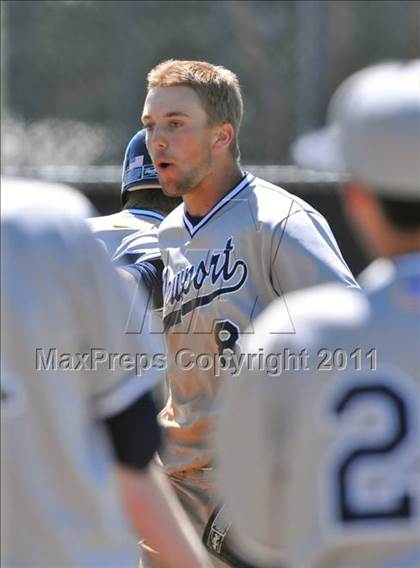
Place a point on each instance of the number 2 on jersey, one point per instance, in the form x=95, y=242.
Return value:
x=375, y=444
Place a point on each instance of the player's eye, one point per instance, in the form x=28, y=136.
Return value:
x=174, y=124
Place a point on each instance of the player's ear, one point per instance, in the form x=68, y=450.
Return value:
x=223, y=136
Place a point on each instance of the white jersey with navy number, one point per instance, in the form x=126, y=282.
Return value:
x=256, y=244
x=329, y=463
x=63, y=318
x=119, y=228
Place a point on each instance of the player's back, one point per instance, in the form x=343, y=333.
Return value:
x=113, y=229
x=60, y=504
x=330, y=470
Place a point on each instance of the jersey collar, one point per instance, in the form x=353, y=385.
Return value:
x=193, y=229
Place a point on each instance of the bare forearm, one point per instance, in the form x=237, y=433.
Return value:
x=158, y=518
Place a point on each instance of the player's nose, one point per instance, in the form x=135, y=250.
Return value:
x=156, y=139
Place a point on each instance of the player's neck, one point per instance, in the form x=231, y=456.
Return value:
x=390, y=241
x=406, y=244
x=135, y=201
x=211, y=190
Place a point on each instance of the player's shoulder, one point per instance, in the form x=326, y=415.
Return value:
x=319, y=305
x=103, y=222
x=332, y=309
x=35, y=199
x=173, y=220
x=48, y=220
x=273, y=203
x=305, y=315
x=47, y=215
x=394, y=290
x=136, y=220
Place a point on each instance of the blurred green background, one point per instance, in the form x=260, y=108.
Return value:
x=73, y=72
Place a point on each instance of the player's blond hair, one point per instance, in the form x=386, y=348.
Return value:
x=217, y=87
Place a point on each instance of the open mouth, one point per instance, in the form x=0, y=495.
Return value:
x=163, y=165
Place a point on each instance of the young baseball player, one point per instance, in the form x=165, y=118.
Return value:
x=233, y=246
x=327, y=472
x=78, y=422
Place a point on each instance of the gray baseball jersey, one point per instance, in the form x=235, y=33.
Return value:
x=326, y=474
x=256, y=244
x=63, y=318
x=118, y=229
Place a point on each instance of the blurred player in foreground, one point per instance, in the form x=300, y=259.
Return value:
x=144, y=205
x=78, y=422
x=326, y=474
x=233, y=246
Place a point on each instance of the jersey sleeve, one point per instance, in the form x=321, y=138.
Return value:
x=124, y=341
x=149, y=273
x=305, y=253
x=135, y=433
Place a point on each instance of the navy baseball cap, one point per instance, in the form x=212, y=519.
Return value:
x=138, y=169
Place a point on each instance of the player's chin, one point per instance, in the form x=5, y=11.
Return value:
x=172, y=189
